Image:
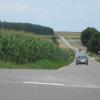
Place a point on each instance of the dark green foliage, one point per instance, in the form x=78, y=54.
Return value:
x=94, y=43
x=36, y=29
x=87, y=34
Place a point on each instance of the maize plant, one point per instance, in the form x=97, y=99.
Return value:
x=22, y=47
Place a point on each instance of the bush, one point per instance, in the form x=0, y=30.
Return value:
x=87, y=34
x=94, y=43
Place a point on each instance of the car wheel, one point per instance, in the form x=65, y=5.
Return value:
x=76, y=63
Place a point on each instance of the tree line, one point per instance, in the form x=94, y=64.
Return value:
x=90, y=37
x=36, y=29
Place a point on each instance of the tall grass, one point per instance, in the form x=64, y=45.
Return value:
x=20, y=47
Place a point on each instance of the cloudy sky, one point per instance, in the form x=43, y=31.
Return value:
x=61, y=15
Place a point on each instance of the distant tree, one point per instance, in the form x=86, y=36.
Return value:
x=87, y=34
x=94, y=43
x=36, y=29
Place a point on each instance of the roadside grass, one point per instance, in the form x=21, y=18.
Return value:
x=98, y=58
x=41, y=64
x=95, y=56
x=22, y=50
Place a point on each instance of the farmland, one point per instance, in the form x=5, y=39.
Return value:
x=18, y=48
x=69, y=35
x=73, y=38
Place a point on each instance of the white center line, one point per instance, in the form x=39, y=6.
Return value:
x=60, y=84
x=39, y=83
x=84, y=86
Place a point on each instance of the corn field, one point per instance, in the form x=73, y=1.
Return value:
x=21, y=47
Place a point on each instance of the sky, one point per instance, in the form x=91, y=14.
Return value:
x=61, y=15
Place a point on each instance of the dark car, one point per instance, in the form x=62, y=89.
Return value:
x=81, y=59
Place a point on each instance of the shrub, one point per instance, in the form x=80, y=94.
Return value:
x=87, y=34
x=94, y=43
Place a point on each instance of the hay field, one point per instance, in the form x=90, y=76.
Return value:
x=69, y=35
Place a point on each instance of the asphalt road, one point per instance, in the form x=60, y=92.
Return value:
x=72, y=82
x=80, y=82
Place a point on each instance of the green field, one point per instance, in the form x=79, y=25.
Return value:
x=20, y=49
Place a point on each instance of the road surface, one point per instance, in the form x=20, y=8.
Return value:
x=72, y=82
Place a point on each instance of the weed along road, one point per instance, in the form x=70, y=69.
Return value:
x=72, y=82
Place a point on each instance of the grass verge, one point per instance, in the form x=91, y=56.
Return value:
x=41, y=64
x=98, y=58
x=95, y=56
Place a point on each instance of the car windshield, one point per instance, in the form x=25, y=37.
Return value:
x=82, y=57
